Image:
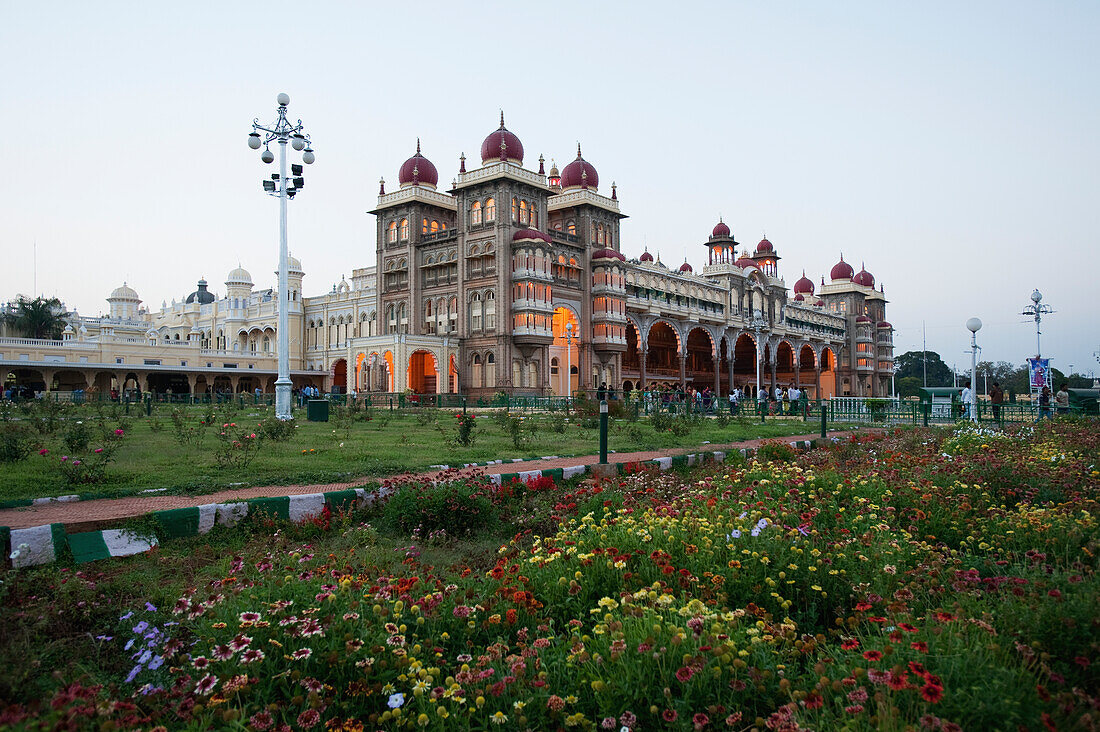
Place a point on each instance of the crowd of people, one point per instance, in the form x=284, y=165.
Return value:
x=780, y=400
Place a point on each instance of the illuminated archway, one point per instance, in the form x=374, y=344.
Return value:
x=662, y=358
x=339, y=376
x=744, y=363
x=828, y=385
x=566, y=351
x=784, y=364
x=423, y=373
x=700, y=359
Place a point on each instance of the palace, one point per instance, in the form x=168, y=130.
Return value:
x=512, y=280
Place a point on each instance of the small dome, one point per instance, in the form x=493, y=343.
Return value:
x=529, y=235
x=804, y=285
x=124, y=293
x=238, y=276
x=841, y=270
x=646, y=257
x=720, y=229
x=799, y=298
x=418, y=170
x=820, y=303
x=608, y=254
x=686, y=268
x=491, y=147
x=745, y=263
x=863, y=319
x=765, y=246
x=201, y=296
x=579, y=174
x=884, y=324
x=864, y=278
x=294, y=265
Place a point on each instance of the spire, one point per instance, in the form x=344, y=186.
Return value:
x=381, y=192
x=579, y=150
x=502, y=119
x=614, y=192
x=542, y=167
x=418, y=146
x=584, y=178
x=462, y=163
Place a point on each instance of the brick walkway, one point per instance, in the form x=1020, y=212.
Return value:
x=103, y=512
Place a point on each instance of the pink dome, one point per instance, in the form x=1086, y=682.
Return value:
x=418, y=170
x=804, y=285
x=530, y=234
x=646, y=257
x=720, y=229
x=864, y=278
x=799, y=298
x=820, y=303
x=491, y=151
x=685, y=267
x=841, y=270
x=863, y=319
x=745, y=262
x=579, y=174
x=608, y=254
x=765, y=246
x=884, y=324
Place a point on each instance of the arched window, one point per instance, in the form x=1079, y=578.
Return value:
x=490, y=310
x=404, y=230
x=452, y=315
x=571, y=227
x=475, y=212
x=391, y=236
x=490, y=370
x=391, y=318
x=599, y=234
x=515, y=210
x=534, y=217
x=523, y=212
x=491, y=210
x=475, y=377
x=424, y=227
x=475, y=312
x=435, y=226
x=267, y=344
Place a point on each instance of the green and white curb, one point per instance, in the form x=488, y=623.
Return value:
x=93, y=545
x=36, y=545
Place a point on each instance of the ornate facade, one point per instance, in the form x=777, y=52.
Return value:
x=512, y=280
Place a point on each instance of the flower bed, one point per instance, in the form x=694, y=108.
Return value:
x=925, y=579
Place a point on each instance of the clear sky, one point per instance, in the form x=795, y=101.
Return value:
x=953, y=147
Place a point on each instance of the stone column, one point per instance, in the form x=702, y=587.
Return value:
x=796, y=379
x=192, y=381
x=234, y=380
x=641, y=362
x=143, y=382
x=817, y=380
x=729, y=356
x=683, y=368
x=47, y=376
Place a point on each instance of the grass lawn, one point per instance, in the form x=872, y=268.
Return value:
x=174, y=450
x=923, y=579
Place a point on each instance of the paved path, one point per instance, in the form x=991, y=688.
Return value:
x=103, y=512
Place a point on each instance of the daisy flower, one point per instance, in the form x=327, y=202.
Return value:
x=301, y=654
x=206, y=684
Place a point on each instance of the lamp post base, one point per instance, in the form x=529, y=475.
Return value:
x=282, y=400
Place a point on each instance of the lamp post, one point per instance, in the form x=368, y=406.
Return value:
x=1037, y=310
x=758, y=325
x=568, y=359
x=973, y=325
x=282, y=131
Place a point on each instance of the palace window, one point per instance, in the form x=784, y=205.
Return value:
x=404, y=230
x=534, y=217
x=523, y=212
x=490, y=310
x=490, y=210
x=475, y=312
x=515, y=210
x=475, y=212
x=391, y=235
x=424, y=227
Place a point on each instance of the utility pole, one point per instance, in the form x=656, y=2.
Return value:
x=924, y=338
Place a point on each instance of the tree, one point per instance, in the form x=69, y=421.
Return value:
x=909, y=386
x=38, y=318
x=911, y=364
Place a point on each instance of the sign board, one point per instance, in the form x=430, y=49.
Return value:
x=1039, y=373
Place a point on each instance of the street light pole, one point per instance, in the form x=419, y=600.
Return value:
x=282, y=132
x=568, y=359
x=974, y=325
x=1037, y=310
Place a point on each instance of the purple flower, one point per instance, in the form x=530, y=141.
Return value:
x=150, y=608
x=127, y=616
x=145, y=657
x=104, y=637
x=141, y=627
x=129, y=645
x=156, y=663
x=133, y=674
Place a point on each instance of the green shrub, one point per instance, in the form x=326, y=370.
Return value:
x=277, y=430
x=459, y=508
x=556, y=423
x=77, y=436
x=775, y=451
x=15, y=442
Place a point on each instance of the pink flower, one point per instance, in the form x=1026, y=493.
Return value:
x=98, y=450
x=206, y=684
x=700, y=720
x=222, y=653
x=260, y=720
x=309, y=718
x=64, y=458
x=301, y=654
x=43, y=451
x=119, y=433
x=252, y=655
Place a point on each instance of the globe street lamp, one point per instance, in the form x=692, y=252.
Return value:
x=1037, y=310
x=568, y=359
x=282, y=132
x=973, y=325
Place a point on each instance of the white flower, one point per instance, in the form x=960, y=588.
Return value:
x=395, y=700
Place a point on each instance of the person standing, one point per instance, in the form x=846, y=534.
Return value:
x=795, y=395
x=601, y=393
x=996, y=398
x=967, y=395
x=1061, y=399
x=1044, y=403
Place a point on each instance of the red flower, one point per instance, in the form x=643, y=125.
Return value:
x=931, y=693
x=873, y=655
x=669, y=715
x=863, y=605
x=907, y=627
x=813, y=700
x=917, y=668
x=919, y=646
x=850, y=645
x=897, y=682
x=944, y=617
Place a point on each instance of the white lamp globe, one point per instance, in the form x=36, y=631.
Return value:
x=267, y=156
x=298, y=142
x=254, y=141
x=308, y=157
x=283, y=99
x=974, y=325
x=1036, y=296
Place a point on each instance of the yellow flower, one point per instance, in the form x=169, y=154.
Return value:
x=498, y=718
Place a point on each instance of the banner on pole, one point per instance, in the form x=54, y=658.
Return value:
x=1039, y=372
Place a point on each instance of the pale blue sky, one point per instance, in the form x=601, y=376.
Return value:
x=951, y=146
